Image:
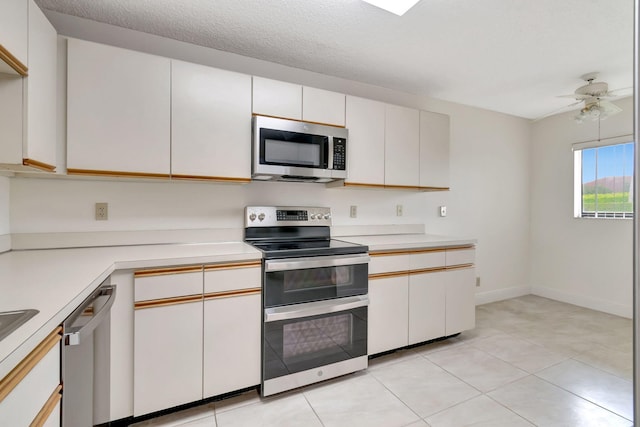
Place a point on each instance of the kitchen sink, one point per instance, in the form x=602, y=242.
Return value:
x=11, y=320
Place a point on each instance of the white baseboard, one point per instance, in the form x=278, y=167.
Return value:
x=5, y=243
x=501, y=294
x=584, y=301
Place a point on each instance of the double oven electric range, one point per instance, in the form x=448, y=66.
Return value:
x=315, y=297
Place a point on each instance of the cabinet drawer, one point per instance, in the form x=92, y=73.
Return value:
x=461, y=256
x=431, y=259
x=167, y=283
x=389, y=263
x=233, y=276
x=33, y=392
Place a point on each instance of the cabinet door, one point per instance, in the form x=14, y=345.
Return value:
x=38, y=392
x=118, y=110
x=167, y=356
x=13, y=31
x=434, y=150
x=276, y=98
x=41, y=90
x=232, y=343
x=402, y=146
x=427, y=295
x=323, y=106
x=388, y=313
x=210, y=122
x=365, y=149
x=461, y=304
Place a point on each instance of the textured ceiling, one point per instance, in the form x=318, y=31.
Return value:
x=512, y=56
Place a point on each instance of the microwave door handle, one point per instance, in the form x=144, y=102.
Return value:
x=330, y=154
x=315, y=308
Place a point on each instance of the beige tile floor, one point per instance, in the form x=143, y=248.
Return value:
x=530, y=361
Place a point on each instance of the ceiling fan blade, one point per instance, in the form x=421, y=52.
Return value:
x=558, y=111
x=620, y=92
x=574, y=96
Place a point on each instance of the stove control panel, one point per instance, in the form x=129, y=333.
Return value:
x=276, y=216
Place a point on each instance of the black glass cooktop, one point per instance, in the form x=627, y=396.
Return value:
x=300, y=248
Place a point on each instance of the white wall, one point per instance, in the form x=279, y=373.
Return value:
x=5, y=226
x=489, y=185
x=578, y=260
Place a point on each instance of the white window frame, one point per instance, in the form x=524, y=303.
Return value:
x=577, y=172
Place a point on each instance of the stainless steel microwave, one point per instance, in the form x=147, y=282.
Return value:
x=289, y=150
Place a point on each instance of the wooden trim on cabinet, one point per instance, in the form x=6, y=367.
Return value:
x=212, y=178
x=13, y=62
x=297, y=120
x=163, y=302
x=121, y=174
x=234, y=293
x=460, y=267
x=167, y=271
x=388, y=275
x=434, y=188
x=48, y=408
x=232, y=265
x=365, y=185
x=405, y=252
x=38, y=165
x=428, y=270
x=461, y=248
x=13, y=378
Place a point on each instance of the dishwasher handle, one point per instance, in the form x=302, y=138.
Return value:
x=73, y=335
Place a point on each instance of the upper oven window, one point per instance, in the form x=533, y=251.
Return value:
x=278, y=147
x=313, y=284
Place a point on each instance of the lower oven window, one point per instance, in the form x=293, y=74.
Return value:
x=299, y=344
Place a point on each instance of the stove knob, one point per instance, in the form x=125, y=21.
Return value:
x=327, y=216
x=252, y=217
x=261, y=217
x=313, y=216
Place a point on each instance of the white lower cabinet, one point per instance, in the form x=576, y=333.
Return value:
x=460, y=300
x=197, y=333
x=427, y=291
x=418, y=295
x=231, y=343
x=30, y=394
x=167, y=340
x=388, y=313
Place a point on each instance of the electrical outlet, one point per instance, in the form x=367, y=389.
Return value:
x=353, y=211
x=443, y=211
x=102, y=211
x=478, y=282
x=399, y=210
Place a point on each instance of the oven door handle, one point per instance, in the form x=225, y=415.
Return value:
x=297, y=311
x=314, y=262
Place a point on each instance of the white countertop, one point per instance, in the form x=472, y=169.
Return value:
x=390, y=242
x=56, y=281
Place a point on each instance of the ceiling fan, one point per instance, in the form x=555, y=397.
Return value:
x=594, y=95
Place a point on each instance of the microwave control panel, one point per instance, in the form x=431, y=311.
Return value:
x=339, y=153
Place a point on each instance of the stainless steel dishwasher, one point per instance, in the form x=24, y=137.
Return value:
x=85, y=359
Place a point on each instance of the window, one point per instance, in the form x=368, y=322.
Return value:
x=603, y=177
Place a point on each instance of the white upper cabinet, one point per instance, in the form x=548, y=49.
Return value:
x=13, y=36
x=402, y=146
x=434, y=150
x=276, y=98
x=295, y=102
x=323, y=106
x=365, y=149
x=41, y=84
x=118, y=111
x=210, y=123
x=28, y=105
